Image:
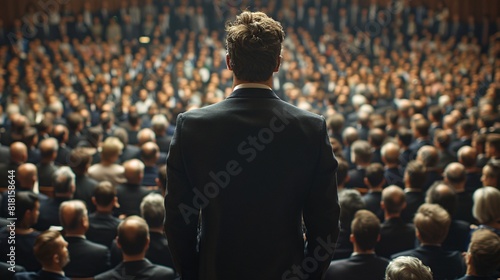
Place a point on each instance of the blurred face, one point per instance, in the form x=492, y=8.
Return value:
x=35, y=213
x=63, y=254
x=487, y=177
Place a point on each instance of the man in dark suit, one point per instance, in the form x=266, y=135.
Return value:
x=483, y=256
x=376, y=138
x=46, y=167
x=393, y=172
x=84, y=185
x=464, y=136
x=133, y=239
x=103, y=224
x=420, y=129
x=364, y=263
x=349, y=136
x=455, y=177
x=414, y=179
x=150, y=153
x=159, y=124
x=131, y=193
x=432, y=223
x=428, y=156
x=87, y=258
x=374, y=179
x=51, y=250
x=395, y=235
x=251, y=190
x=18, y=156
x=467, y=156
x=129, y=151
x=61, y=134
x=361, y=156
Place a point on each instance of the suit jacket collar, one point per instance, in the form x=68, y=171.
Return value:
x=253, y=93
x=362, y=257
x=51, y=275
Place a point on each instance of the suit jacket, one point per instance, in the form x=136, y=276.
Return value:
x=372, y=203
x=84, y=190
x=63, y=155
x=473, y=182
x=102, y=228
x=395, y=236
x=251, y=189
x=45, y=173
x=459, y=143
x=458, y=236
x=394, y=176
x=432, y=175
x=130, y=152
x=361, y=266
x=464, y=210
x=40, y=275
x=130, y=197
x=24, y=249
x=416, y=145
x=49, y=213
x=356, y=180
x=443, y=264
x=7, y=274
x=87, y=258
x=413, y=200
x=137, y=270
x=446, y=157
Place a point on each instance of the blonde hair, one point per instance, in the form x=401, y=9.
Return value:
x=432, y=222
x=407, y=268
x=111, y=147
x=486, y=207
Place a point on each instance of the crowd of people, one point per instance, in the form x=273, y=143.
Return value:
x=89, y=101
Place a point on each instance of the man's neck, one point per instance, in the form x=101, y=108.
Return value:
x=104, y=211
x=53, y=269
x=140, y=257
x=268, y=83
x=391, y=165
x=388, y=216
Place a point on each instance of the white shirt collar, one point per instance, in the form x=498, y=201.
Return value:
x=251, y=85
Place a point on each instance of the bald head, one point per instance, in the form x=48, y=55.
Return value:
x=48, y=149
x=145, y=135
x=393, y=200
x=443, y=195
x=350, y=135
x=133, y=236
x=60, y=132
x=18, y=152
x=467, y=156
x=428, y=156
x=134, y=171
x=150, y=153
x=455, y=175
x=390, y=153
x=73, y=217
x=27, y=176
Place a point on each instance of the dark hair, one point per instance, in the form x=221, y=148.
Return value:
x=24, y=201
x=79, y=160
x=366, y=229
x=447, y=199
x=436, y=112
x=466, y=126
x=405, y=136
x=133, y=242
x=342, y=171
x=416, y=174
x=162, y=176
x=104, y=193
x=46, y=246
x=253, y=44
x=375, y=174
x=376, y=136
x=422, y=126
x=74, y=120
x=493, y=140
x=485, y=250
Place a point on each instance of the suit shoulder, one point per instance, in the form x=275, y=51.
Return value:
x=410, y=253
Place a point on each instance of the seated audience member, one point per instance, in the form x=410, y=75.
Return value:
x=459, y=232
x=102, y=223
x=87, y=258
x=64, y=189
x=350, y=202
x=404, y=138
x=18, y=156
x=393, y=172
x=407, y=268
x=129, y=151
x=395, y=235
x=349, y=136
x=159, y=124
x=84, y=185
x=161, y=181
x=420, y=129
x=75, y=127
x=414, y=179
x=26, y=213
x=374, y=179
x=61, y=134
x=490, y=175
x=432, y=223
x=376, y=138
x=361, y=156
x=492, y=148
x=7, y=272
x=133, y=239
x=364, y=263
x=107, y=169
x=131, y=193
x=483, y=256
x=150, y=153
x=456, y=177
x=428, y=157
x=442, y=142
x=468, y=158
x=51, y=250
x=464, y=130
x=47, y=167
x=486, y=208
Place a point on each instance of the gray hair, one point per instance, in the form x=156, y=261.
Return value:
x=486, y=207
x=153, y=210
x=407, y=268
x=63, y=180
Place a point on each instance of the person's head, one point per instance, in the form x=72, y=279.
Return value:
x=51, y=250
x=145, y=135
x=465, y=128
x=414, y=176
x=18, y=152
x=444, y=196
x=390, y=154
x=393, y=200
x=454, y=174
x=404, y=137
x=73, y=217
x=432, y=223
x=133, y=236
x=48, y=149
x=104, y=197
x=150, y=152
x=27, y=176
x=161, y=181
x=159, y=124
x=335, y=123
x=349, y=136
x=376, y=137
x=60, y=133
x=361, y=152
x=80, y=161
x=111, y=149
x=407, y=268
x=442, y=139
x=27, y=209
x=134, y=171
x=254, y=43
x=483, y=256
x=428, y=156
x=122, y=135
x=486, y=208
x=420, y=128
x=493, y=145
x=342, y=173
x=467, y=156
x=75, y=122
x=350, y=202
x=153, y=210
x=374, y=176
x=490, y=175
x=365, y=230
x=63, y=182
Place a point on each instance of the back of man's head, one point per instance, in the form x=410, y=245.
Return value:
x=393, y=200
x=375, y=175
x=27, y=176
x=79, y=160
x=432, y=223
x=428, y=156
x=350, y=135
x=484, y=252
x=111, y=149
x=366, y=229
x=467, y=156
x=153, y=210
x=48, y=149
x=134, y=171
x=415, y=175
x=72, y=215
x=443, y=195
x=25, y=201
x=390, y=153
x=455, y=175
x=405, y=136
x=104, y=194
x=150, y=153
x=407, y=268
x=63, y=181
x=350, y=202
x=48, y=247
x=133, y=236
x=361, y=152
x=254, y=43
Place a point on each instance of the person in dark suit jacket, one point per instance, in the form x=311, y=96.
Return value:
x=361, y=152
x=51, y=250
x=455, y=176
x=84, y=185
x=414, y=179
x=464, y=136
x=467, y=156
x=7, y=272
x=349, y=136
x=131, y=193
x=247, y=178
x=159, y=124
x=420, y=129
x=129, y=151
x=393, y=173
x=364, y=263
x=432, y=223
x=442, y=143
x=102, y=224
x=18, y=156
x=87, y=258
x=483, y=255
x=429, y=157
x=133, y=239
x=459, y=232
x=404, y=138
x=150, y=152
x=395, y=234
x=61, y=133
x=4, y=154
x=374, y=179
x=46, y=167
